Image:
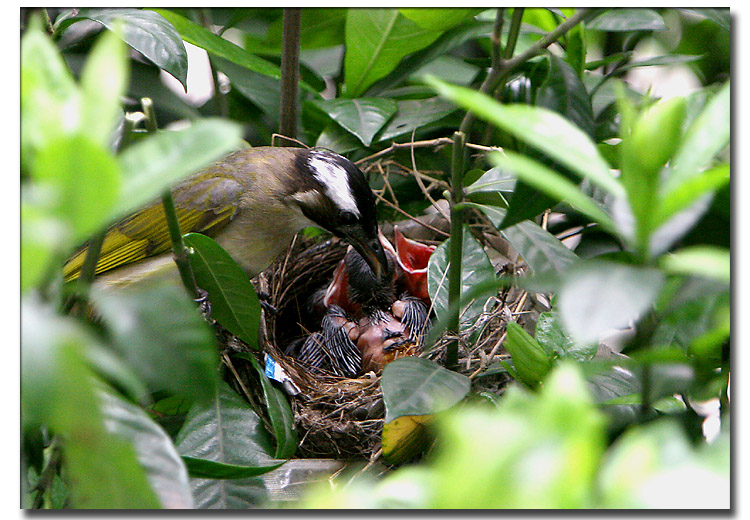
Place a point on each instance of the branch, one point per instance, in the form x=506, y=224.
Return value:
x=506, y=66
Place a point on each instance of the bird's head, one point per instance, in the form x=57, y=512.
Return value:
x=334, y=194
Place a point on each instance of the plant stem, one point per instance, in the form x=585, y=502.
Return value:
x=456, y=242
x=179, y=251
x=513, y=33
x=290, y=72
x=506, y=66
x=48, y=473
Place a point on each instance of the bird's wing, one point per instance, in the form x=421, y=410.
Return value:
x=204, y=203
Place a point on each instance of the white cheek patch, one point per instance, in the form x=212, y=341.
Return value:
x=336, y=181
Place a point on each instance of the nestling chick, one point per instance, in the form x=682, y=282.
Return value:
x=380, y=326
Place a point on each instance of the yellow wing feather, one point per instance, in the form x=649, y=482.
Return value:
x=204, y=203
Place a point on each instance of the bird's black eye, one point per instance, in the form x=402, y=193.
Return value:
x=348, y=218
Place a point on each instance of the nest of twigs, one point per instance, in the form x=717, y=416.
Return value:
x=340, y=417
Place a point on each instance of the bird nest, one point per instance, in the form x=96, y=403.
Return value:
x=341, y=417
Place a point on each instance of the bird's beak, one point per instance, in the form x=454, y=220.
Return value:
x=372, y=251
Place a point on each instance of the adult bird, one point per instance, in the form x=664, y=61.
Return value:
x=252, y=203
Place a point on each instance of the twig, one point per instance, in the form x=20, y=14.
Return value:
x=421, y=184
x=507, y=65
x=179, y=251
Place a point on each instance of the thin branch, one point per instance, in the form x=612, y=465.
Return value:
x=455, y=280
x=507, y=65
x=204, y=16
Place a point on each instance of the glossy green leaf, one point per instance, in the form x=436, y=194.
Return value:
x=564, y=93
x=438, y=19
x=193, y=33
x=376, y=41
x=443, y=46
x=363, y=117
x=169, y=350
x=156, y=452
x=719, y=16
x=335, y=138
x=609, y=383
x=416, y=386
x=279, y=412
x=145, y=31
x=598, y=296
x=706, y=136
x=234, y=303
x=541, y=250
x=707, y=261
x=226, y=431
x=618, y=20
x=476, y=268
x=103, y=82
x=413, y=114
x=494, y=179
x=153, y=164
x=542, y=129
x=84, y=180
x=554, y=185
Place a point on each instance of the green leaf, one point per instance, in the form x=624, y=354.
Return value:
x=174, y=349
x=689, y=191
x=41, y=236
x=193, y=33
x=493, y=180
x=58, y=390
x=598, y=296
x=436, y=19
x=376, y=41
x=363, y=117
x=103, y=81
x=554, y=185
x=475, y=269
x=659, y=456
x=335, y=138
x=719, y=16
x=48, y=93
x=552, y=337
x=145, y=31
x=564, y=93
x=152, y=165
x=84, y=180
x=234, y=303
x=541, y=250
x=531, y=361
x=226, y=431
x=706, y=136
x=319, y=28
x=202, y=468
x=707, y=261
x=416, y=386
x=279, y=411
x=164, y=467
x=542, y=129
x=415, y=113
x=258, y=88
x=618, y=20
